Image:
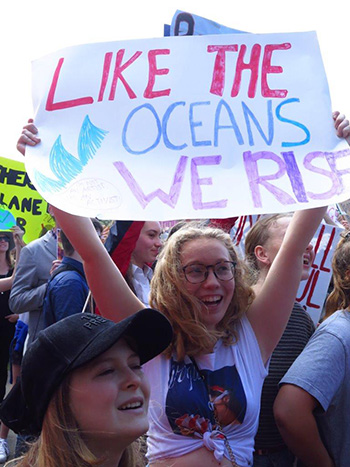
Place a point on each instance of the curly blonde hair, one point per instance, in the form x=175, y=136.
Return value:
x=169, y=295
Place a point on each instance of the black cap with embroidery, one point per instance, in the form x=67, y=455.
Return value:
x=68, y=344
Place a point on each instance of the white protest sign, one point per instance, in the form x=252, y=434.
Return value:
x=187, y=127
x=313, y=292
x=334, y=213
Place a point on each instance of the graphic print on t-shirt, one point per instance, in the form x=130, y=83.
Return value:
x=191, y=400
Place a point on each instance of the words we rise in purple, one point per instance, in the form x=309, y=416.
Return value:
x=256, y=60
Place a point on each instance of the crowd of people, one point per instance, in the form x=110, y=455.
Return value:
x=205, y=351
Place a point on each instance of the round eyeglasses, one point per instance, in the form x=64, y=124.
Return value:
x=197, y=273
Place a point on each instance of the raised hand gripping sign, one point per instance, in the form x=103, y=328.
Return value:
x=187, y=127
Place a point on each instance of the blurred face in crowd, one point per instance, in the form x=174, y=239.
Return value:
x=148, y=244
x=4, y=242
x=273, y=244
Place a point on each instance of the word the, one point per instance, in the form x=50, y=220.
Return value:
x=253, y=65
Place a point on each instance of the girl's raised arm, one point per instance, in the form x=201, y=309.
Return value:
x=113, y=296
x=109, y=289
x=273, y=305
x=271, y=309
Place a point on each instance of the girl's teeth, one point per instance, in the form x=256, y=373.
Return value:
x=134, y=405
x=211, y=299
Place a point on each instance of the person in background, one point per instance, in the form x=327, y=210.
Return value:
x=30, y=282
x=134, y=247
x=143, y=256
x=262, y=243
x=67, y=289
x=8, y=242
x=28, y=291
x=313, y=404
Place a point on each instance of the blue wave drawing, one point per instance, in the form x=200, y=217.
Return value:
x=64, y=165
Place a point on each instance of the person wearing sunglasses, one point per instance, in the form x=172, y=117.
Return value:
x=9, y=241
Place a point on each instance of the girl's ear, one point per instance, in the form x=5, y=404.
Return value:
x=261, y=255
x=347, y=275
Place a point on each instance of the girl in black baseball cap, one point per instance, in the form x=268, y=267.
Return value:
x=83, y=392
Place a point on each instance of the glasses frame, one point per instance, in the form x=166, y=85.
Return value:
x=211, y=266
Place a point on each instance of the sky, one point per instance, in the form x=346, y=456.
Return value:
x=30, y=30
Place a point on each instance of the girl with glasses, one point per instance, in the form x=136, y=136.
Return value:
x=223, y=335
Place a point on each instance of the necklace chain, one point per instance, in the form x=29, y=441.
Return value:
x=226, y=442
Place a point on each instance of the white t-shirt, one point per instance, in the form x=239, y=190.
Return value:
x=181, y=420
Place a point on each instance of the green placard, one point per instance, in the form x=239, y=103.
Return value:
x=20, y=203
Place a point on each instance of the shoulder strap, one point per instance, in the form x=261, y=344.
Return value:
x=62, y=268
x=65, y=267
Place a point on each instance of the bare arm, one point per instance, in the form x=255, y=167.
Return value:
x=272, y=306
x=271, y=309
x=293, y=411
x=6, y=283
x=108, y=287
